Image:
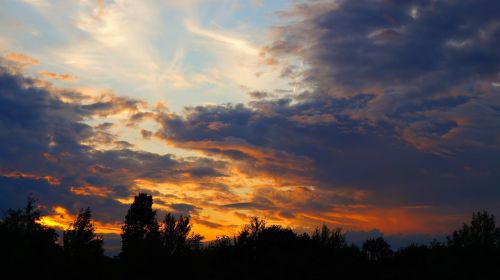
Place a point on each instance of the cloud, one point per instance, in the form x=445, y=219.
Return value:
x=89, y=190
x=426, y=66
x=257, y=3
x=247, y=205
x=183, y=208
x=323, y=159
x=258, y=94
x=392, y=123
x=19, y=175
x=48, y=149
x=56, y=76
x=146, y=134
x=231, y=42
x=21, y=58
x=60, y=218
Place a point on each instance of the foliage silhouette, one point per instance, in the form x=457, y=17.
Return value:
x=141, y=241
x=171, y=250
x=333, y=239
x=176, y=235
x=376, y=249
x=481, y=233
x=81, y=245
x=23, y=239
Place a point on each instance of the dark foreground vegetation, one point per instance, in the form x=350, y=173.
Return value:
x=169, y=250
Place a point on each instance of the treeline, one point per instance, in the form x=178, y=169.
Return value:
x=170, y=250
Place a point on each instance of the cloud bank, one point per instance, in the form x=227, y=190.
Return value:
x=394, y=124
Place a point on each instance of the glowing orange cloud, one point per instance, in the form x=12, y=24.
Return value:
x=52, y=75
x=15, y=174
x=62, y=219
x=263, y=156
x=21, y=58
x=90, y=190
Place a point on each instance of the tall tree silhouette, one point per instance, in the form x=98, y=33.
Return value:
x=141, y=241
x=80, y=242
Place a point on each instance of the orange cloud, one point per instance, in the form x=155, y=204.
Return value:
x=52, y=75
x=21, y=58
x=263, y=156
x=15, y=174
x=61, y=219
x=393, y=220
x=90, y=190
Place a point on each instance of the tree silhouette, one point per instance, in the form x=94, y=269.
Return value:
x=23, y=239
x=333, y=239
x=474, y=250
x=251, y=231
x=141, y=241
x=176, y=235
x=258, y=251
x=256, y=226
x=481, y=233
x=376, y=249
x=80, y=243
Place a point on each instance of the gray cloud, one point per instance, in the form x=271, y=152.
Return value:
x=344, y=153
x=430, y=65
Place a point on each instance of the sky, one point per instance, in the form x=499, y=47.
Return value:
x=371, y=115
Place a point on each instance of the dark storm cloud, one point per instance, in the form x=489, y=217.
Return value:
x=41, y=151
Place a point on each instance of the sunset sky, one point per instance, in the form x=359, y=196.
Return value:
x=367, y=114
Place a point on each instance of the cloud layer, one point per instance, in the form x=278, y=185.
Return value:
x=430, y=66
x=393, y=123
x=48, y=150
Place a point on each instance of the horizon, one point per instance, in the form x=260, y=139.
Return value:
x=379, y=117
